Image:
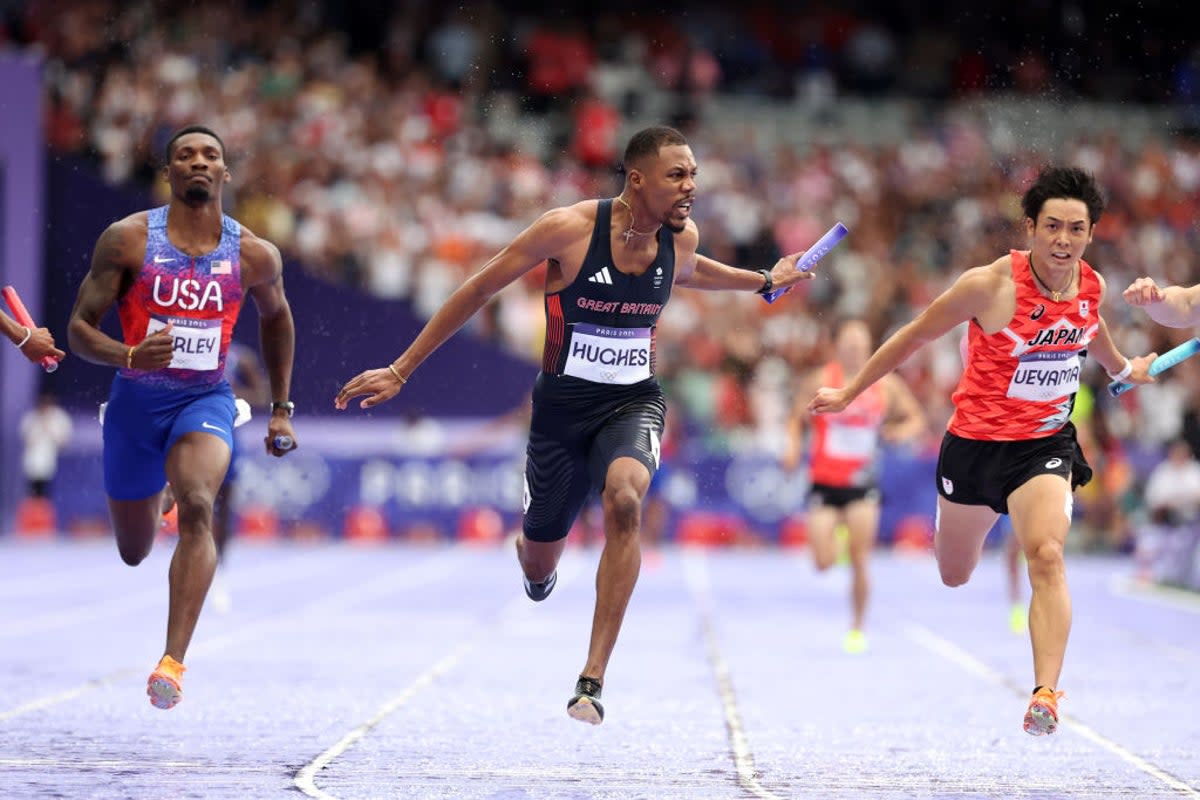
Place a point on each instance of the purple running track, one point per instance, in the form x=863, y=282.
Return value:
x=393, y=671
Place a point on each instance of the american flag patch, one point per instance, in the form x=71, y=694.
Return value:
x=222, y=267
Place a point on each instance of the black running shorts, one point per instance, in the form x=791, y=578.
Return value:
x=838, y=497
x=984, y=473
x=578, y=429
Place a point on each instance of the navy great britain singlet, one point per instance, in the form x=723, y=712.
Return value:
x=600, y=330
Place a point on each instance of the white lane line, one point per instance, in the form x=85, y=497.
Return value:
x=1170, y=596
x=67, y=694
x=306, y=778
x=409, y=576
x=955, y=654
x=695, y=571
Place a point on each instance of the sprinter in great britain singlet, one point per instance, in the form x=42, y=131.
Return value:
x=596, y=398
x=1017, y=390
x=200, y=297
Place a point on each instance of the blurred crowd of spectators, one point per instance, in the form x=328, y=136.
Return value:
x=398, y=154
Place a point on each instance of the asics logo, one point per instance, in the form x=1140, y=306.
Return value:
x=207, y=426
x=1053, y=463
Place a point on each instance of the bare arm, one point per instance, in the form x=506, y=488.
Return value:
x=276, y=329
x=1105, y=351
x=11, y=329
x=544, y=239
x=114, y=267
x=793, y=447
x=710, y=274
x=968, y=297
x=35, y=344
x=1174, y=306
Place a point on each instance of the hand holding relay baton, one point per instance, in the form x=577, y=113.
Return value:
x=1164, y=362
x=812, y=255
x=21, y=315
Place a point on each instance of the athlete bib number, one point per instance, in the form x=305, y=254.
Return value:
x=609, y=355
x=197, y=341
x=1045, y=376
x=850, y=441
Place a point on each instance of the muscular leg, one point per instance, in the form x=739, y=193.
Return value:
x=862, y=520
x=1041, y=517
x=624, y=488
x=196, y=466
x=821, y=523
x=539, y=559
x=557, y=486
x=958, y=539
x=135, y=525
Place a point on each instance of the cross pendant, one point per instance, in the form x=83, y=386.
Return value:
x=628, y=234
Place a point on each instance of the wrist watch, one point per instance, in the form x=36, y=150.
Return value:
x=283, y=405
x=769, y=281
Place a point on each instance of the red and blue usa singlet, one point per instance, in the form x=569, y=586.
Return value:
x=200, y=296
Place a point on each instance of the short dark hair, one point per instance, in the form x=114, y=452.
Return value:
x=648, y=141
x=170, y=151
x=1064, y=182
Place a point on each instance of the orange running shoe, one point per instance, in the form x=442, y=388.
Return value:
x=1042, y=717
x=165, y=684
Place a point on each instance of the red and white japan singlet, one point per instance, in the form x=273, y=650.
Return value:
x=1020, y=382
x=845, y=445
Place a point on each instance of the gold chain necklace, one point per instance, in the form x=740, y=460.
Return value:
x=630, y=232
x=1057, y=294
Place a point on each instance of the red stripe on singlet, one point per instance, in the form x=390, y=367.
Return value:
x=653, y=349
x=555, y=329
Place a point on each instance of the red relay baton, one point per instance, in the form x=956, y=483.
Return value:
x=21, y=315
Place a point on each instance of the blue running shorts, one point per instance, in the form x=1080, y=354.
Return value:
x=142, y=424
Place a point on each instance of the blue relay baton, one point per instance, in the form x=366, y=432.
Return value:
x=1164, y=362
x=813, y=255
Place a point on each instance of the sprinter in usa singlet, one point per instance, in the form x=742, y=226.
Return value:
x=177, y=276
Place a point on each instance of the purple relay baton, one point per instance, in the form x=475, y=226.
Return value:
x=813, y=255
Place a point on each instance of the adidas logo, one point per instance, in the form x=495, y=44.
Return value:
x=602, y=276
